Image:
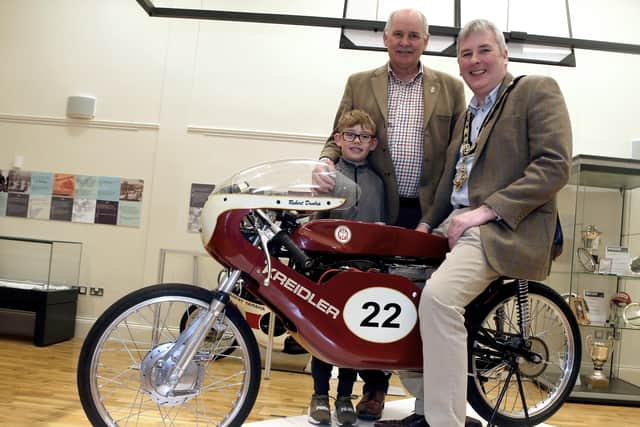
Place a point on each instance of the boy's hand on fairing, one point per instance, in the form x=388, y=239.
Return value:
x=324, y=176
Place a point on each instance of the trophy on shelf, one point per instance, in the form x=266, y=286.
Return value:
x=599, y=351
x=590, y=243
x=631, y=315
x=580, y=309
x=617, y=305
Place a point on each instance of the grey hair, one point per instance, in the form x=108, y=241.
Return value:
x=477, y=25
x=425, y=25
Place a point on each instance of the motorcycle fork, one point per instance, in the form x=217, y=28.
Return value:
x=188, y=342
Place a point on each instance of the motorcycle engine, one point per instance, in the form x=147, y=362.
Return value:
x=418, y=274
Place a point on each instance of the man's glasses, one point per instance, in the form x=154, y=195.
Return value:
x=365, y=138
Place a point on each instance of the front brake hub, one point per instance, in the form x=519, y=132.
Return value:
x=155, y=378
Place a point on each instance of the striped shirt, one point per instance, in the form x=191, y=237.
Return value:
x=406, y=131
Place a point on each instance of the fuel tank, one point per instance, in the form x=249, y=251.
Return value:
x=364, y=238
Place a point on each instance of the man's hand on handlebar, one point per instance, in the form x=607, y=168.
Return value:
x=324, y=176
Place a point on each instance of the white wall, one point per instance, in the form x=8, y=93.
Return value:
x=263, y=91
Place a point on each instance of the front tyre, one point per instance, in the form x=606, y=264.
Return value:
x=146, y=323
x=495, y=358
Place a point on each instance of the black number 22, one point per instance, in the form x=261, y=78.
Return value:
x=368, y=322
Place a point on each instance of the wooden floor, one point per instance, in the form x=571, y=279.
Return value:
x=38, y=388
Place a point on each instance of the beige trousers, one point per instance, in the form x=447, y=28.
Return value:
x=441, y=389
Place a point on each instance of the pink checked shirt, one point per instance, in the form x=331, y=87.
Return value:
x=406, y=131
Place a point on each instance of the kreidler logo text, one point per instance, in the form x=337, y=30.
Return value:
x=302, y=292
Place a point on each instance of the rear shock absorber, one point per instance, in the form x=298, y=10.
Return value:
x=524, y=315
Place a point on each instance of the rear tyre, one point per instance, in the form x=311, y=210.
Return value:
x=494, y=363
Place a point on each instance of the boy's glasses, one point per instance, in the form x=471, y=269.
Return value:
x=365, y=138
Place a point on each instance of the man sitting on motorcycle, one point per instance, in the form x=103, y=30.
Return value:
x=496, y=204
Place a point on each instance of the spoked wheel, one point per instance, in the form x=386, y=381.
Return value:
x=506, y=372
x=120, y=364
x=224, y=340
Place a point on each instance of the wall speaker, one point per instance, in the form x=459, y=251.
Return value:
x=81, y=107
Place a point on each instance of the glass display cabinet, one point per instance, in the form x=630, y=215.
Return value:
x=599, y=278
x=41, y=276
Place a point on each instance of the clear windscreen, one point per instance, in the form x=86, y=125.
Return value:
x=299, y=178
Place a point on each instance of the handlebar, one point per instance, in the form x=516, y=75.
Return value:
x=281, y=238
x=297, y=254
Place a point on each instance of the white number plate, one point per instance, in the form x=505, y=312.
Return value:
x=381, y=315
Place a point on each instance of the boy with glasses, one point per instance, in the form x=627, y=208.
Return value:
x=356, y=137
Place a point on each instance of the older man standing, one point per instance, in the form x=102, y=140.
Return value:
x=496, y=203
x=415, y=110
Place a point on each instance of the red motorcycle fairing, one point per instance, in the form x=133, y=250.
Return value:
x=331, y=326
x=362, y=320
x=365, y=238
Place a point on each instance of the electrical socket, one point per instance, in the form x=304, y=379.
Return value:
x=98, y=292
x=82, y=290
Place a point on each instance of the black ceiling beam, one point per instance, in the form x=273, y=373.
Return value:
x=360, y=24
x=585, y=44
x=147, y=5
x=266, y=18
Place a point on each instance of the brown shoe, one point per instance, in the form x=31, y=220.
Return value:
x=370, y=406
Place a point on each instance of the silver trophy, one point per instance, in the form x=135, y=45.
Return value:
x=590, y=243
x=631, y=315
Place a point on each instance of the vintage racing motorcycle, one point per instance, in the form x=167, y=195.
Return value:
x=347, y=291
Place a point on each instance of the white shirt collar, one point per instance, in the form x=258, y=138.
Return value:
x=489, y=100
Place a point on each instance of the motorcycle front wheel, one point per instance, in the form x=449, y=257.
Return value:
x=498, y=371
x=118, y=364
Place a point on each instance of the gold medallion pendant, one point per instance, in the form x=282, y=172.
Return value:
x=460, y=178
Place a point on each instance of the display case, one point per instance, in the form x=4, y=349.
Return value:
x=602, y=233
x=41, y=276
